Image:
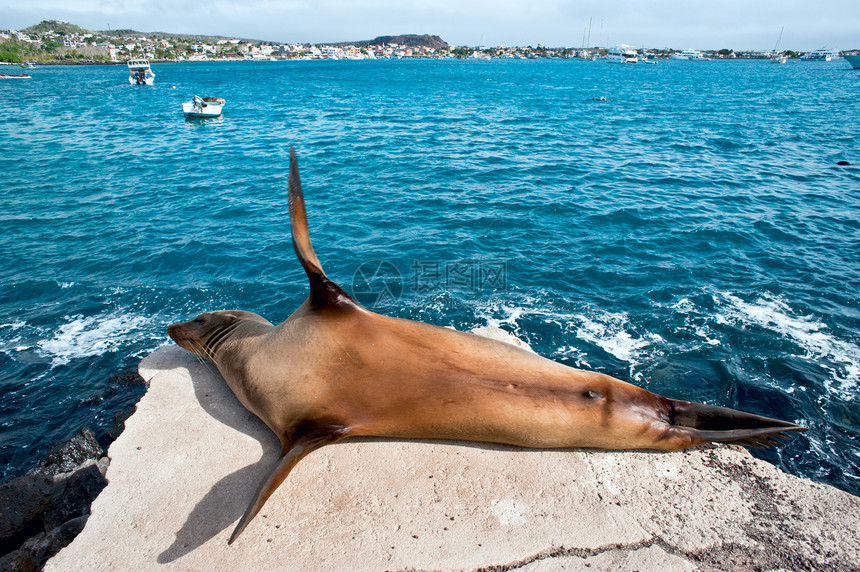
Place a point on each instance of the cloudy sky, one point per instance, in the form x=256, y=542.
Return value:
x=681, y=24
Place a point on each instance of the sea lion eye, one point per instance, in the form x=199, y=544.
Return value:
x=592, y=395
x=199, y=321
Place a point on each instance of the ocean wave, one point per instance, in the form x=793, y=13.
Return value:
x=86, y=336
x=612, y=332
x=11, y=337
x=841, y=358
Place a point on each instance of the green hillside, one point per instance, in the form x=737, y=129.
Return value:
x=59, y=26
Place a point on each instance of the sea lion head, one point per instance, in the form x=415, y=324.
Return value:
x=206, y=334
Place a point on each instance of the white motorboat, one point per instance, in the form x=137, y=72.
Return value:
x=853, y=59
x=819, y=55
x=139, y=73
x=692, y=55
x=203, y=107
x=622, y=55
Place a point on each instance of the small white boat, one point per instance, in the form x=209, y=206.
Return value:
x=853, y=59
x=203, y=107
x=622, y=55
x=139, y=73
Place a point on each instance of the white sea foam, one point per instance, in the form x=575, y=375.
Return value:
x=683, y=306
x=695, y=324
x=840, y=357
x=88, y=336
x=11, y=336
x=512, y=314
x=611, y=332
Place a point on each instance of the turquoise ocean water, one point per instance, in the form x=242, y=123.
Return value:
x=694, y=234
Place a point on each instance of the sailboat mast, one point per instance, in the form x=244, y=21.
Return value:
x=778, y=40
x=589, y=31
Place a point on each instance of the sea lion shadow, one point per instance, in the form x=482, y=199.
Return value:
x=221, y=507
x=216, y=399
x=227, y=500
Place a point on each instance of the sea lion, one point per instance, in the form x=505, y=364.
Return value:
x=334, y=369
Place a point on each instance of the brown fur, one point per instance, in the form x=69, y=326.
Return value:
x=333, y=369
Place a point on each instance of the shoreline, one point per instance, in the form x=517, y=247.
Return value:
x=385, y=59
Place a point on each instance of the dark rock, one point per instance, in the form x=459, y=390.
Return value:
x=22, y=502
x=118, y=424
x=81, y=490
x=17, y=561
x=46, y=544
x=67, y=455
x=126, y=377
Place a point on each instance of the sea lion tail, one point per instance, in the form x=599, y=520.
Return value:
x=706, y=423
x=324, y=292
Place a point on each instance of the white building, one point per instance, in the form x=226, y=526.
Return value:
x=331, y=52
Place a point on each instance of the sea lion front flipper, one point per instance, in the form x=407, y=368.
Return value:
x=324, y=292
x=280, y=471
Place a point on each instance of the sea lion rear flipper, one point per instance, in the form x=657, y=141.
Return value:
x=277, y=475
x=711, y=423
x=324, y=292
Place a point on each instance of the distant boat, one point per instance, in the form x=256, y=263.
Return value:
x=28, y=65
x=645, y=58
x=622, y=55
x=819, y=55
x=692, y=55
x=14, y=76
x=583, y=53
x=776, y=57
x=853, y=59
x=139, y=73
x=203, y=107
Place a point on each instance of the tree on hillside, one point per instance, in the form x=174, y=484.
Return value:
x=11, y=57
x=58, y=26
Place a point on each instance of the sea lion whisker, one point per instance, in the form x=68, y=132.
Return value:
x=219, y=336
x=203, y=352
